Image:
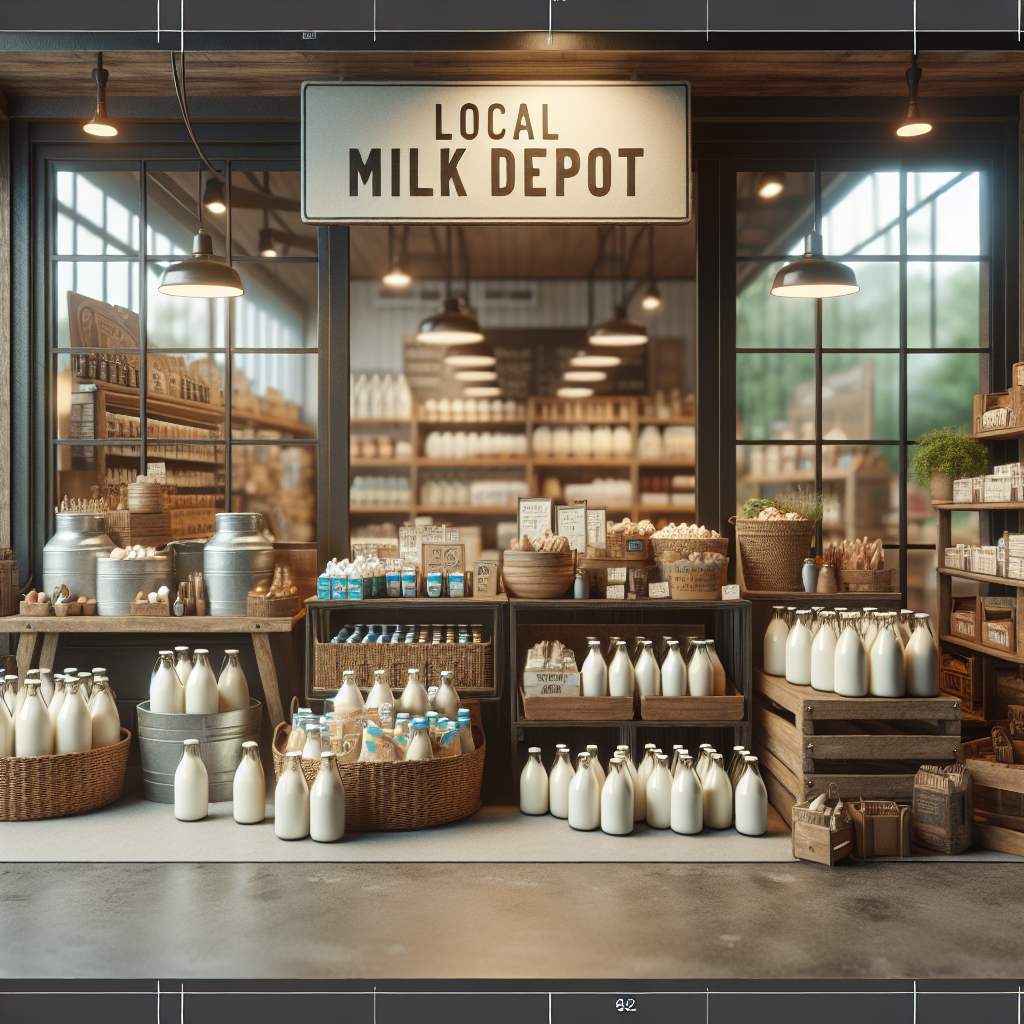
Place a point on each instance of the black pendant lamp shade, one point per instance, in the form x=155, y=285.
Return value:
x=452, y=326
x=814, y=277
x=913, y=124
x=213, y=196
x=619, y=332
x=100, y=124
x=203, y=276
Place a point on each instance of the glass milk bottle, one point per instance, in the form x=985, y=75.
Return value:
x=716, y=664
x=687, y=808
x=6, y=728
x=886, y=659
x=646, y=765
x=327, y=802
x=201, y=694
x=735, y=766
x=33, y=730
x=191, y=785
x=595, y=672
x=620, y=672
x=700, y=673
x=348, y=700
x=906, y=621
x=868, y=627
x=182, y=664
x=595, y=763
x=232, y=686
x=166, y=692
x=648, y=676
x=922, y=660
x=703, y=760
x=59, y=693
x=249, y=788
x=105, y=722
x=380, y=694
x=446, y=700
x=798, y=650
x=584, y=797
x=639, y=792
x=751, y=800
x=313, y=747
x=419, y=748
x=617, y=800
x=851, y=675
x=533, y=785
x=775, y=642
x=673, y=671
x=466, y=743
x=291, y=800
x=558, y=784
x=659, y=794
x=823, y=653
x=414, y=697
x=717, y=795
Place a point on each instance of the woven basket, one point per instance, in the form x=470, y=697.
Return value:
x=402, y=796
x=870, y=581
x=62, y=784
x=772, y=552
x=672, y=549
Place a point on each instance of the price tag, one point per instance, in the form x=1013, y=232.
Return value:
x=617, y=574
x=658, y=589
x=731, y=592
x=617, y=593
x=156, y=471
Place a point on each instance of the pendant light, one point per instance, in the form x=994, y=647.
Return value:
x=472, y=357
x=476, y=376
x=213, y=197
x=454, y=325
x=812, y=276
x=596, y=360
x=575, y=393
x=652, y=297
x=203, y=276
x=619, y=332
x=584, y=376
x=913, y=124
x=100, y=124
x=398, y=275
x=266, y=244
x=770, y=185
x=481, y=391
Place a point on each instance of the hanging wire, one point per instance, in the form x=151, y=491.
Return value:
x=179, y=91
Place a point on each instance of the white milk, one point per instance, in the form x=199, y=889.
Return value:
x=659, y=794
x=33, y=730
x=621, y=679
x=327, y=802
x=617, y=800
x=533, y=785
x=687, y=808
x=201, y=694
x=232, y=686
x=249, y=788
x=595, y=672
x=191, y=785
x=751, y=801
x=291, y=800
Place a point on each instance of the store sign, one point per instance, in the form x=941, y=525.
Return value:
x=539, y=153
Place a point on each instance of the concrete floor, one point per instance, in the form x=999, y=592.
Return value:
x=670, y=921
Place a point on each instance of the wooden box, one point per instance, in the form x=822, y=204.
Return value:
x=629, y=549
x=869, y=747
x=126, y=528
x=964, y=618
x=993, y=411
x=999, y=623
x=961, y=675
x=943, y=811
x=576, y=709
x=866, y=581
x=814, y=840
x=193, y=523
x=998, y=792
x=9, y=586
x=694, y=581
x=728, y=708
x=144, y=608
x=881, y=828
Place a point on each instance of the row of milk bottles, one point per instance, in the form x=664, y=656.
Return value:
x=300, y=809
x=81, y=714
x=184, y=683
x=703, y=675
x=853, y=653
x=684, y=796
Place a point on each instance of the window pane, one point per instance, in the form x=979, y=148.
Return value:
x=274, y=396
x=922, y=525
x=861, y=213
x=764, y=320
x=268, y=202
x=97, y=213
x=861, y=493
x=278, y=309
x=921, y=582
x=278, y=481
x=860, y=396
x=176, y=322
x=775, y=395
x=763, y=471
x=869, y=318
x=947, y=220
x=97, y=304
x=944, y=305
x=940, y=390
x=773, y=211
x=171, y=212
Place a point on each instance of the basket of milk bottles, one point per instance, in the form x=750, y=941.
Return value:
x=402, y=796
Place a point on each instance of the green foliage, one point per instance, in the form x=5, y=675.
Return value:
x=952, y=452
x=803, y=503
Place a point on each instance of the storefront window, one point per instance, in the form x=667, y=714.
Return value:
x=461, y=443
x=240, y=440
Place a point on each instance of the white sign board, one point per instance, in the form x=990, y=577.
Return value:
x=555, y=152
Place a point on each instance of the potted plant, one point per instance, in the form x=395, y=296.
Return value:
x=942, y=456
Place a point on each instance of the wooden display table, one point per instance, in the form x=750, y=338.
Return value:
x=41, y=634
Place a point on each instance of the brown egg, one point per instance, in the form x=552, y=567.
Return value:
x=31, y=597
x=140, y=596
x=83, y=600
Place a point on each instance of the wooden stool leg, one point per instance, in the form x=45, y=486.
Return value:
x=268, y=676
x=49, y=651
x=27, y=644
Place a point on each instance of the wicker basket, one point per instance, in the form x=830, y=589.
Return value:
x=866, y=581
x=772, y=552
x=402, y=796
x=473, y=664
x=672, y=549
x=62, y=784
x=271, y=607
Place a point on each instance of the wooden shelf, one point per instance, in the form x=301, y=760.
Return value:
x=682, y=462
x=999, y=434
x=474, y=462
x=378, y=463
x=582, y=461
x=657, y=421
x=845, y=597
x=380, y=510
x=992, y=652
x=289, y=428
x=384, y=422
x=492, y=425
x=148, y=623
x=980, y=506
x=664, y=510
x=1004, y=581
x=466, y=510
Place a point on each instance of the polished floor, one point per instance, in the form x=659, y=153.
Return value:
x=506, y=920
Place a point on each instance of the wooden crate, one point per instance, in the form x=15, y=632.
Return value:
x=551, y=708
x=869, y=747
x=9, y=586
x=881, y=828
x=126, y=528
x=694, y=709
x=998, y=799
x=961, y=676
x=815, y=841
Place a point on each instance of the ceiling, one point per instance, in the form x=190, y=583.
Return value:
x=711, y=73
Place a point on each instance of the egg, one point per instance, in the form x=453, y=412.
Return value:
x=117, y=554
x=140, y=596
x=31, y=597
x=83, y=600
x=152, y=597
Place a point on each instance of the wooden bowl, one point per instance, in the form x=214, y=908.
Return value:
x=537, y=575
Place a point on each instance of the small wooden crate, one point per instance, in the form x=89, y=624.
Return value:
x=126, y=528
x=630, y=549
x=814, y=840
x=858, y=581
x=961, y=675
x=694, y=709
x=271, y=607
x=881, y=828
x=597, y=572
x=550, y=708
x=36, y=608
x=998, y=799
x=147, y=610
x=869, y=747
x=9, y=585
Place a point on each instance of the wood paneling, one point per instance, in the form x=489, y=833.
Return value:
x=712, y=73
x=5, y=326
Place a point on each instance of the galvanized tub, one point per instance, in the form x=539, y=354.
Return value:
x=236, y=558
x=119, y=580
x=220, y=745
x=70, y=555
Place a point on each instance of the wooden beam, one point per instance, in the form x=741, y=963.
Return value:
x=5, y=325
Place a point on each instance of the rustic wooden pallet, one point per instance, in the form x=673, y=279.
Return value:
x=868, y=747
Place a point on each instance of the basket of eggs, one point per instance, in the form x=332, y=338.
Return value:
x=278, y=599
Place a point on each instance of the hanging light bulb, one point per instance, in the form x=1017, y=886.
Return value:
x=476, y=376
x=584, y=376
x=203, y=276
x=595, y=360
x=913, y=123
x=100, y=124
x=770, y=185
x=481, y=391
x=472, y=357
x=619, y=332
x=452, y=326
x=213, y=197
x=266, y=246
x=397, y=277
x=814, y=277
x=652, y=298
x=575, y=393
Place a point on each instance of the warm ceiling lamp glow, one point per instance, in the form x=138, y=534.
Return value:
x=814, y=277
x=266, y=246
x=452, y=326
x=476, y=376
x=584, y=376
x=471, y=357
x=481, y=392
x=770, y=185
x=397, y=277
x=595, y=359
x=619, y=332
x=652, y=298
x=913, y=124
x=575, y=392
x=213, y=196
x=100, y=124
x=203, y=275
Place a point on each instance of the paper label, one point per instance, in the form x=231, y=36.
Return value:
x=572, y=524
x=535, y=516
x=658, y=589
x=731, y=592
x=617, y=574
x=156, y=471
x=597, y=528
x=616, y=593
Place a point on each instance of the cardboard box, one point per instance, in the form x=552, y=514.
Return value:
x=964, y=618
x=992, y=412
x=551, y=684
x=487, y=579
x=999, y=623
x=442, y=556
x=998, y=488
